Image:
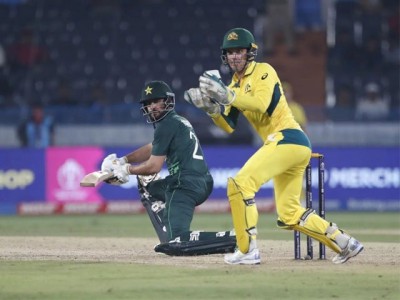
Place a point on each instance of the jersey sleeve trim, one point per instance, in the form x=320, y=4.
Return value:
x=276, y=95
x=227, y=122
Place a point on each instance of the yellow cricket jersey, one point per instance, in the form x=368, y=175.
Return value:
x=260, y=99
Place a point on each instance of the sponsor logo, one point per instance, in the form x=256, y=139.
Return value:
x=232, y=36
x=157, y=206
x=220, y=234
x=345, y=178
x=360, y=178
x=373, y=205
x=68, y=177
x=264, y=76
x=271, y=137
x=69, y=174
x=194, y=236
x=16, y=179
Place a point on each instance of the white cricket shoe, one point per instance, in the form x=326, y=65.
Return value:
x=238, y=258
x=352, y=249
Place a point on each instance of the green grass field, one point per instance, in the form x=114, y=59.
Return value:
x=34, y=272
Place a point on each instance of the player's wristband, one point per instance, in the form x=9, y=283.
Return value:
x=128, y=169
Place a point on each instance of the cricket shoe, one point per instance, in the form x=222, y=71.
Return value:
x=238, y=258
x=352, y=249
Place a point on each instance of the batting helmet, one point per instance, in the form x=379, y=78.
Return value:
x=155, y=90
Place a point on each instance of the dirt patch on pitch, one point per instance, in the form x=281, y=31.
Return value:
x=139, y=250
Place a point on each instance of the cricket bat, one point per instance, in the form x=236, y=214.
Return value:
x=94, y=178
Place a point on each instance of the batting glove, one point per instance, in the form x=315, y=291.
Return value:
x=212, y=86
x=195, y=97
x=110, y=161
x=109, y=164
x=122, y=173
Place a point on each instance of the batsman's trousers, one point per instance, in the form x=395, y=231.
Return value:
x=181, y=194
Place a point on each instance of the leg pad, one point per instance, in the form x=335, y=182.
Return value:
x=244, y=215
x=155, y=211
x=314, y=226
x=192, y=248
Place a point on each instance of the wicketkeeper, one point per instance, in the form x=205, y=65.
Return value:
x=256, y=92
x=171, y=201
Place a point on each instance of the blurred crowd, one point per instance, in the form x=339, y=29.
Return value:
x=364, y=61
x=91, y=57
x=95, y=54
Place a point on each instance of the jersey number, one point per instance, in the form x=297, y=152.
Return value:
x=196, y=146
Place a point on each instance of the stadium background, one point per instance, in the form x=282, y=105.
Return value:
x=113, y=47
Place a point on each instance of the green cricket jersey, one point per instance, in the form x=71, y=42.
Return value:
x=174, y=137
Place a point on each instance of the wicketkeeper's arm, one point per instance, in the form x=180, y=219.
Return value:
x=227, y=121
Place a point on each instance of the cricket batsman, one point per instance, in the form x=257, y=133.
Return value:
x=171, y=201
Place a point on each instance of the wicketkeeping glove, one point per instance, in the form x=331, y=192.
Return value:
x=195, y=97
x=211, y=85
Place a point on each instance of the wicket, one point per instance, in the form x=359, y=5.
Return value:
x=309, y=200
